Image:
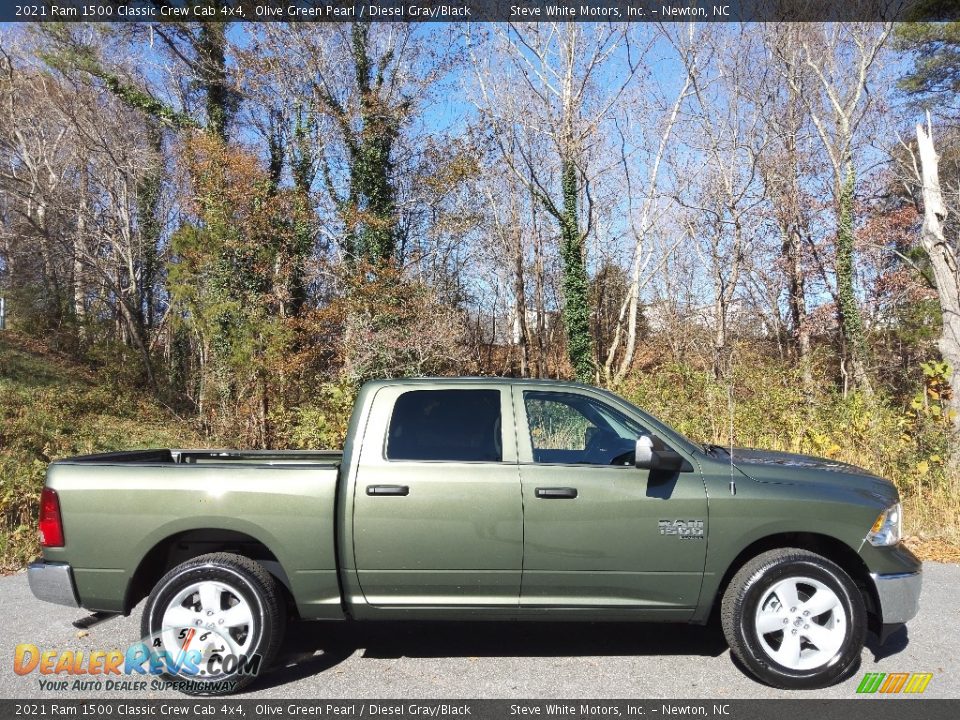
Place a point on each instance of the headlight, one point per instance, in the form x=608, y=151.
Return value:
x=888, y=529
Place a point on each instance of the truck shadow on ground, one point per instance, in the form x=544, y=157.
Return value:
x=312, y=648
x=896, y=643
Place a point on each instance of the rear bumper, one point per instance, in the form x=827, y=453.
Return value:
x=53, y=583
x=899, y=596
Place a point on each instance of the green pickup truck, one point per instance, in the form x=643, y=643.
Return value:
x=483, y=499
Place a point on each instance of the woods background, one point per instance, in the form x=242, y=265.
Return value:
x=214, y=233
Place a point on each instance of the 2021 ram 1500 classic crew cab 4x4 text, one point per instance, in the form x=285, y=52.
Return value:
x=484, y=499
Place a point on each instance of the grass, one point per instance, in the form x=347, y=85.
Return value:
x=50, y=408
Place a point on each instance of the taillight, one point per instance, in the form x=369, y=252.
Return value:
x=51, y=527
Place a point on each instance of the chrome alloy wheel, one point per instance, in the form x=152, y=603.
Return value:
x=208, y=616
x=801, y=623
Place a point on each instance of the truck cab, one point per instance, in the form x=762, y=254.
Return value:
x=535, y=501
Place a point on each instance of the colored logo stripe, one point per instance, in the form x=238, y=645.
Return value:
x=894, y=683
x=870, y=682
x=918, y=682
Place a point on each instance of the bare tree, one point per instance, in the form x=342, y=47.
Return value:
x=841, y=62
x=784, y=165
x=571, y=78
x=942, y=252
x=647, y=258
x=727, y=135
x=36, y=166
x=356, y=91
x=75, y=160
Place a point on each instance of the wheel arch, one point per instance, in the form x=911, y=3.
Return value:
x=829, y=547
x=185, y=545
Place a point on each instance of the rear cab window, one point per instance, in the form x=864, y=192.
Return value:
x=446, y=425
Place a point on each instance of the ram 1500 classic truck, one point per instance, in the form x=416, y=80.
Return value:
x=482, y=499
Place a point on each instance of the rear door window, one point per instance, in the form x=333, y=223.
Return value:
x=452, y=425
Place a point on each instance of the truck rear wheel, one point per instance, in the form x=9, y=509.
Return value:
x=213, y=623
x=795, y=619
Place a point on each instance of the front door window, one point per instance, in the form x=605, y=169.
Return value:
x=571, y=429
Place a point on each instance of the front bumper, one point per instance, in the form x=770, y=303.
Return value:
x=53, y=582
x=899, y=596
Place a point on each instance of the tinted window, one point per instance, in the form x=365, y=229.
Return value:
x=571, y=428
x=446, y=425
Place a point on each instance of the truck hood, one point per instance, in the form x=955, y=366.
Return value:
x=791, y=468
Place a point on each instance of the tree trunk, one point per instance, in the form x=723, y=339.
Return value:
x=151, y=225
x=943, y=261
x=848, y=309
x=539, y=296
x=371, y=167
x=79, y=306
x=302, y=169
x=720, y=337
x=51, y=281
x=631, y=308
x=792, y=225
x=576, y=300
x=796, y=298
x=520, y=305
x=211, y=48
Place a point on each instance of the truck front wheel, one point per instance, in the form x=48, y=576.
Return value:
x=212, y=624
x=795, y=619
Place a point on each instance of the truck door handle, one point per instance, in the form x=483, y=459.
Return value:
x=556, y=493
x=388, y=490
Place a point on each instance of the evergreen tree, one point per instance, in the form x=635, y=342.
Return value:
x=935, y=49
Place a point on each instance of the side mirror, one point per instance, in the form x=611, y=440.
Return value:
x=648, y=457
x=644, y=456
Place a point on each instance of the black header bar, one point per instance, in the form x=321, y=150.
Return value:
x=476, y=10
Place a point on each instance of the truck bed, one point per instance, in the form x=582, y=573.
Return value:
x=123, y=511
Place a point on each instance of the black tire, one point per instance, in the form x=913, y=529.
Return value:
x=753, y=584
x=239, y=579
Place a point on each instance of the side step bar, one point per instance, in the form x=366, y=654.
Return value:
x=85, y=623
